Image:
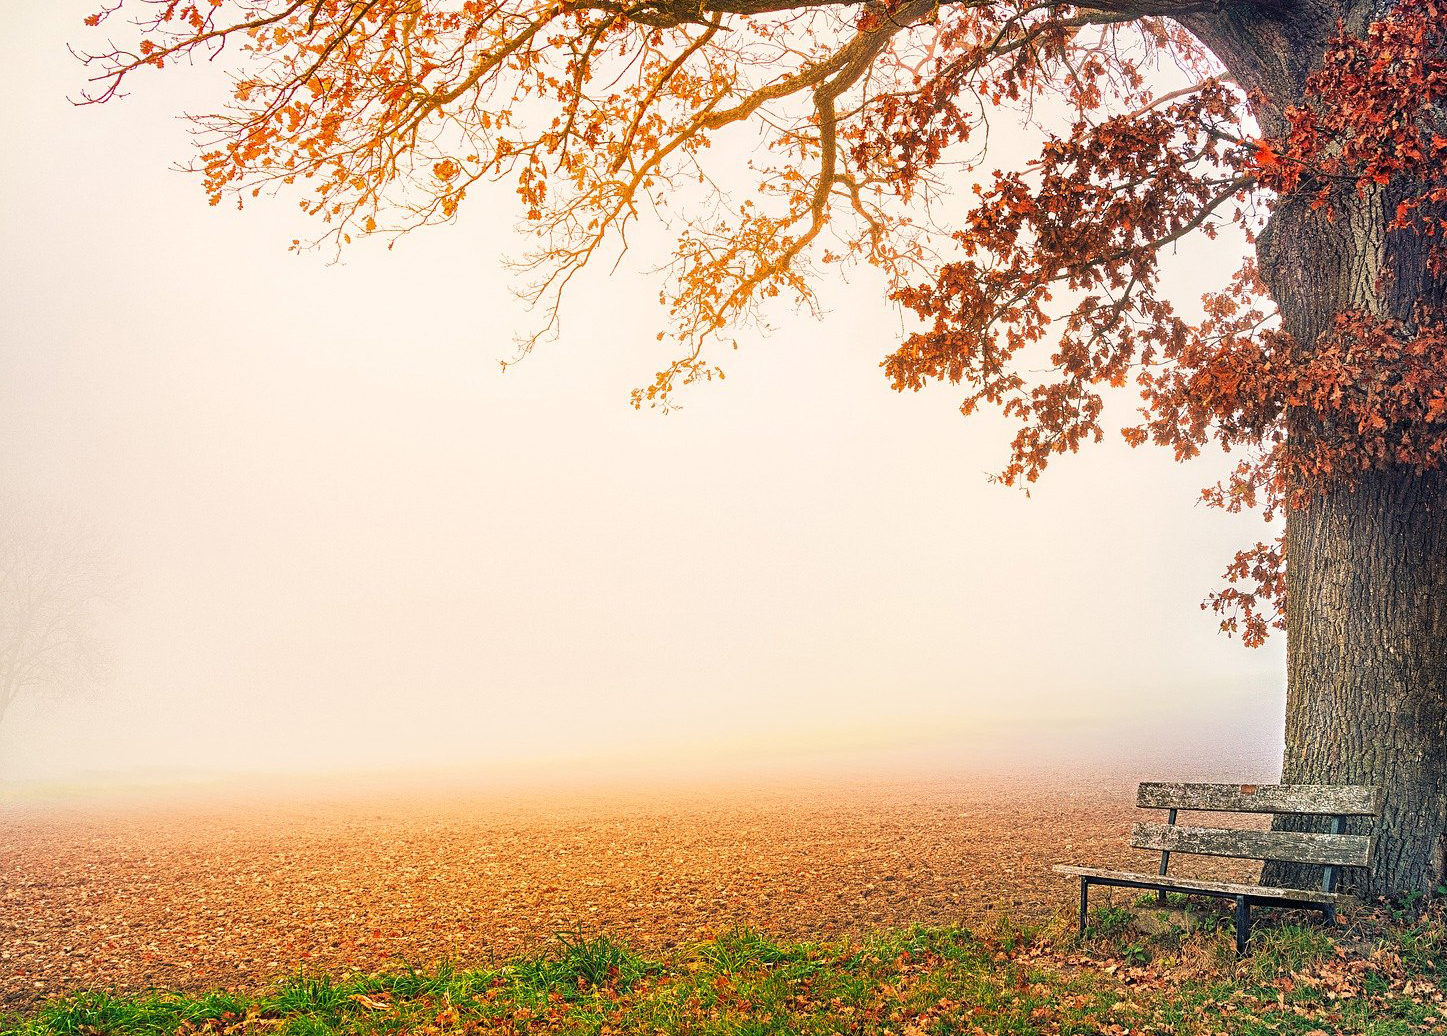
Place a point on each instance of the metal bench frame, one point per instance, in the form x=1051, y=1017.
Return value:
x=1333, y=850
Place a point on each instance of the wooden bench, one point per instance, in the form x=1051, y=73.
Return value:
x=1332, y=851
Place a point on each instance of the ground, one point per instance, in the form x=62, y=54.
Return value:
x=232, y=888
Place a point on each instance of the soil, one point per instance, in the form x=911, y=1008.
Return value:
x=233, y=889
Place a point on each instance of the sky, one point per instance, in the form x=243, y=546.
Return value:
x=349, y=541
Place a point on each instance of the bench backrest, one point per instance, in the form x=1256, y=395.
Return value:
x=1330, y=850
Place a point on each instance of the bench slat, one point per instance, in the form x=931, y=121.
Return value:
x=1291, y=846
x=1225, y=888
x=1350, y=800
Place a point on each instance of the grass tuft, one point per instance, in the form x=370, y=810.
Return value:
x=1278, y=952
x=738, y=950
x=577, y=965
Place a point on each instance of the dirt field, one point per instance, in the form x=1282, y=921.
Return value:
x=233, y=889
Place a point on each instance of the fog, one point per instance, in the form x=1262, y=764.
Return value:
x=351, y=543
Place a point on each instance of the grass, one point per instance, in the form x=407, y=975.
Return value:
x=1132, y=974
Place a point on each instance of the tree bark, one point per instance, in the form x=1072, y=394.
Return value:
x=1366, y=565
x=1367, y=668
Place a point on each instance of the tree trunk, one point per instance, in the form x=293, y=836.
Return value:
x=1366, y=577
x=1367, y=667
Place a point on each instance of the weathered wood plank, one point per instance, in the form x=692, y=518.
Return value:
x=1292, y=846
x=1225, y=888
x=1347, y=800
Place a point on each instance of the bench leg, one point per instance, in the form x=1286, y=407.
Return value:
x=1243, y=923
x=1084, y=903
x=1328, y=915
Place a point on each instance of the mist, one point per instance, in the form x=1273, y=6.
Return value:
x=351, y=543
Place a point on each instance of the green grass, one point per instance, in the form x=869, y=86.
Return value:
x=1007, y=980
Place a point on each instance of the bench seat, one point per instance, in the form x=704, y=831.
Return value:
x=1201, y=886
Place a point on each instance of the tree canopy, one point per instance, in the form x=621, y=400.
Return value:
x=1037, y=289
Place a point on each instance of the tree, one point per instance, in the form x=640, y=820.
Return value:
x=52, y=578
x=1314, y=127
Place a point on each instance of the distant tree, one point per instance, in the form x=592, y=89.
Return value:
x=1316, y=128
x=53, y=577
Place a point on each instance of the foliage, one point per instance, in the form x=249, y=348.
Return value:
x=1045, y=294
x=912, y=981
